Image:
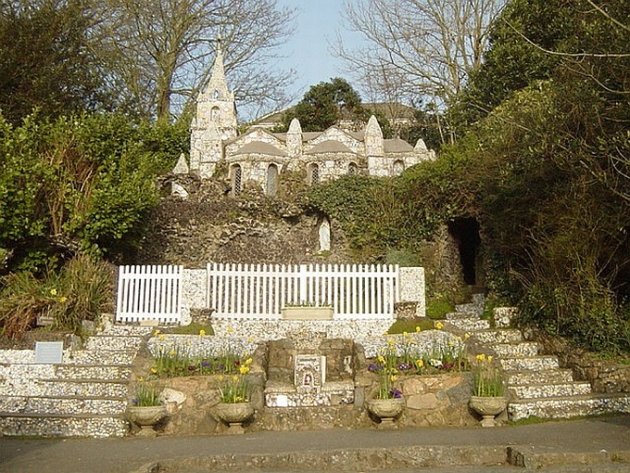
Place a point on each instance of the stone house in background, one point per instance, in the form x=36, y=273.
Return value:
x=259, y=156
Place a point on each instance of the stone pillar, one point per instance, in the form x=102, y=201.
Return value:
x=194, y=292
x=412, y=288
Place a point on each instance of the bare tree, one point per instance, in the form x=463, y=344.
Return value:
x=161, y=51
x=423, y=48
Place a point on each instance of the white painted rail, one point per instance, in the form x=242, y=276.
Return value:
x=149, y=293
x=261, y=291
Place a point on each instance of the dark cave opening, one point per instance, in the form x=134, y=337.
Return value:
x=465, y=232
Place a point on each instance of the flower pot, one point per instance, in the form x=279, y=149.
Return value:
x=386, y=410
x=307, y=313
x=146, y=417
x=234, y=415
x=488, y=408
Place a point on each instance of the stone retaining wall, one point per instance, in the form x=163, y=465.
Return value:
x=605, y=376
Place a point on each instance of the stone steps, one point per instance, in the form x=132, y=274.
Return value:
x=75, y=425
x=102, y=372
x=11, y=405
x=102, y=357
x=536, y=391
x=469, y=324
x=566, y=407
x=113, y=342
x=85, y=396
x=522, y=349
x=555, y=376
x=67, y=387
x=460, y=315
x=491, y=336
x=127, y=330
x=535, y=363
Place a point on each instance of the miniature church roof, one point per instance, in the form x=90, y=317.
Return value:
x=396, y=145
x=260, y=147
x=329, y=146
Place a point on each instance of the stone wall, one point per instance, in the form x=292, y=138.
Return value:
x=211, y=226
x=605, y=376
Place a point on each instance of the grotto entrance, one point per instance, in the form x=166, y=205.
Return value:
x=465, y=232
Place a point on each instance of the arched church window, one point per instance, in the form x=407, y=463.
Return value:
x=272, y=180
x=236, y=176
x=214, y=113
x=215, y=95
x=313, y=174
x=352, y=169
x=399, y=167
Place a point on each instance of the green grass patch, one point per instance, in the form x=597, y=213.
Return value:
x=191, y=329
x=409, y=326
x=438, y=308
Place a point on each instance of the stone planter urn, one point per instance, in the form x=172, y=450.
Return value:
x=386, y=410
x=234, y=415
x=488, y=408
x=307, y=313
x=146, y=417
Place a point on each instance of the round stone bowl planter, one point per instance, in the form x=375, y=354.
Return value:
x=386, y=409
x=234, y=415
x=146, y=417
x=488, y=408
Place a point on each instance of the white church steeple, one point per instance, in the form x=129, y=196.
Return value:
x=214, y=122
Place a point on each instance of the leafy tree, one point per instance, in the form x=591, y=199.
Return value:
x=80, y=184
x=46, y=59
x=513, y=62
x=326, y=104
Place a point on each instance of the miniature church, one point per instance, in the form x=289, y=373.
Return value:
x=259, y=156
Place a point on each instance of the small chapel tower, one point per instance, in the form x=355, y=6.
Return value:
x=375, y=149
x=215, y=121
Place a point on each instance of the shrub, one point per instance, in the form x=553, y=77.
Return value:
x=22, y=300
x=80, y=291
x=439, y=307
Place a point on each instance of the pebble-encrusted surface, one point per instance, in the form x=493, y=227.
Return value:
x=84, y=396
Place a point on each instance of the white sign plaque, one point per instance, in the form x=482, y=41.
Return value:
x=48, y=352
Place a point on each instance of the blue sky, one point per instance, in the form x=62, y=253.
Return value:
x=308, y=53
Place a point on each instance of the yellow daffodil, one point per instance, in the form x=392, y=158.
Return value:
x=154, y=370
x=481, y=357
x=405, y=334
x=439, y=325
x=418, y=328
x=202, y=333
x=390, y=341
x=419, y=363
x=466, y=336
x=248, y=361
x=156, y=332
x=489, y=358
x=53, y=292
x=381, y=359
x=63, y=299
x=235, y=378
x=243, y=369
x=393, y=378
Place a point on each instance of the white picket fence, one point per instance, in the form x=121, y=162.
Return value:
x=261, y=291
x=149, y=293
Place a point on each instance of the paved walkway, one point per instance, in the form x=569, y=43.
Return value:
x=125, y=455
